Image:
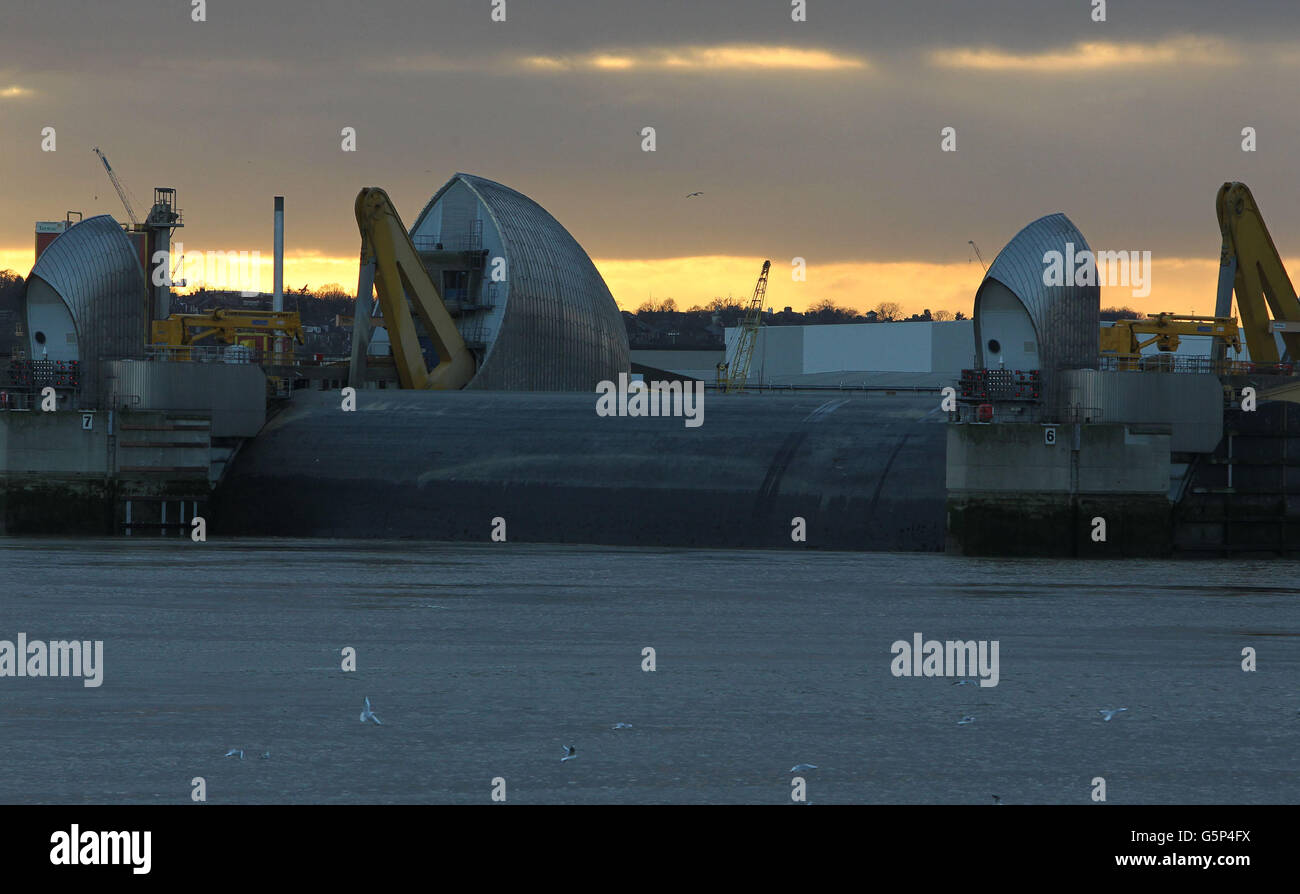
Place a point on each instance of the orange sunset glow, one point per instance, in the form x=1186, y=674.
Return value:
x=1184, y=284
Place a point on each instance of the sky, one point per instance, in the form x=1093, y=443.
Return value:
x=819, y=139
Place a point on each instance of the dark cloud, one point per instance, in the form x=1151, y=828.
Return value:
x=838, y=165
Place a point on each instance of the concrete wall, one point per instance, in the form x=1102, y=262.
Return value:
x=33, y=442
x=1243, y=498
x=1010, y=493
x=701, y=365
x=779, y=352
x=1011, y=457
x=902, y=347
x=952, y=346
x=55, y=474
x=786, y=352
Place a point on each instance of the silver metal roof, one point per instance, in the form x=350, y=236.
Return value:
x=1067, y=318
x=94, y=268
x=560, y=329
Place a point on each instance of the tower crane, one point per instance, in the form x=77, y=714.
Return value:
x=971, y=243
x=117, y=184
x=736, y=370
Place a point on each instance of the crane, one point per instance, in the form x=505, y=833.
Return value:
x=121, y=193
x=1121, y=341
x=971, y=243
x=224, y=326
x=391, y=267
x=736, y=370
x=1250, y=266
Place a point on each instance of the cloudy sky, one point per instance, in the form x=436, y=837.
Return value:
x=818, y=139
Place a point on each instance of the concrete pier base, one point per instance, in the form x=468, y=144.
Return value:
x=72, y=473
x=1017, y=489
x=1057, y=525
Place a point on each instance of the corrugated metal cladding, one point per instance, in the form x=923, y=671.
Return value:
x=1067, y=318
x=1192, y=404
x=234, y=393
x=94, y=268
x=561, y=330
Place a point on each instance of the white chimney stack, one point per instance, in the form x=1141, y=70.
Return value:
x=278, y=300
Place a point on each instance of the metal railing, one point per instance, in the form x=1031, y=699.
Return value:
x=1028, y=412
x=1178, y=364
x=17, y=400
x=474, y=335
x=984, y=385
x=236, y=354
x=790, y=387
x=472, y=241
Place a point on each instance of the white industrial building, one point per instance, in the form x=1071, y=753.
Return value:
x=1019, y=323
x=850, y=353
x=863, y=354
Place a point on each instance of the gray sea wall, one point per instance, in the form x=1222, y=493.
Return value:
x=865, y=471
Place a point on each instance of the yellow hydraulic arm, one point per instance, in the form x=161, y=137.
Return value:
x=226, y=325
x=406, y=293
x=1251, y=266
x=1121, y=339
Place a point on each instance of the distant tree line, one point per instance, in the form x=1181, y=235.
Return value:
x=663, y=324
x=1120, y=313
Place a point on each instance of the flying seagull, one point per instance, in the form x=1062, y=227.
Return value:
x=235, y=751
x=1108, y=713
x=266, y=755
x=368, y=714
x=997, y=800
x=800, y=768
x=693, y=195
x=965, y=720
x=621, y=725
x=569, y=753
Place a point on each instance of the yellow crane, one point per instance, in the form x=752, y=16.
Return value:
x=391, y=267
x=1123, y=339
x=735, y=372
x=224, y=326
x=1251, y=267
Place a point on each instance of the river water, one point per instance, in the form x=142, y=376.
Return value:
x=484, y=661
